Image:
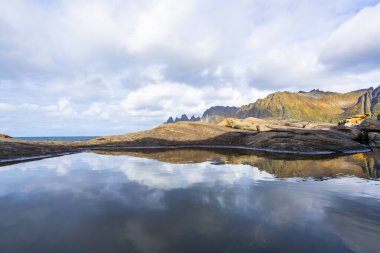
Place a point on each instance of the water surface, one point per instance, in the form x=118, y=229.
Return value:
x=190, y=201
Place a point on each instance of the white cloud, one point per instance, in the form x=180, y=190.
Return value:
x=134, y=63
x=356, y=43
x=161, y=100
x=162, y=96
x=166, y=176
x=155, y=24
x=5, y=107
x=155, y=174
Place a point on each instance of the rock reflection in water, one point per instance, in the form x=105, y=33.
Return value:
x=363, y=165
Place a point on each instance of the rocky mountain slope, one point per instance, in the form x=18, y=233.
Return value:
x=218, y=113
x=315, y=105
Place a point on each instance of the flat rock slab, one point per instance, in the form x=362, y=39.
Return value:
x=198, y=134
x=16, y=149
x=186, y=133
x=273, y=124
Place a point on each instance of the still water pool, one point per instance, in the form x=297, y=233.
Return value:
x=191, y=201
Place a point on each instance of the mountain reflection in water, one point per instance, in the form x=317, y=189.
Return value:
x=363, y=165
x=190, y=201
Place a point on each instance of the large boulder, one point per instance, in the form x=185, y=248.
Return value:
x=5, y=136
x=354, y=133
x=371, y=130
x=374, y=139
x=370, y=125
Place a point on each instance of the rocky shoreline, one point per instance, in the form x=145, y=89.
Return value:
x=272, y=135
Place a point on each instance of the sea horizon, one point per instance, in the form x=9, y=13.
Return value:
x=55, y=138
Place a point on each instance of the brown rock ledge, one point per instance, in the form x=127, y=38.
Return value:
x=182, y=134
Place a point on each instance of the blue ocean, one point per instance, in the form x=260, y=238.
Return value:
x=57, y=138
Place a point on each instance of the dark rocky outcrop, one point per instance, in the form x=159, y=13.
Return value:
x=371, y=132
x=170, y=120
x=370, y=125
x=193, y=118
x=374, y=139
x=182, y=118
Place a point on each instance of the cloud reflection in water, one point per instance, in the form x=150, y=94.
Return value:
x=103, y=203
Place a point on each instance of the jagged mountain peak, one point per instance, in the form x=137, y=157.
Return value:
x=182, y=118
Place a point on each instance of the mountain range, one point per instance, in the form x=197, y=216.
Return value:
x=314, y=105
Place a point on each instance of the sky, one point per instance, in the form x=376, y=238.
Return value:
x=100, y=67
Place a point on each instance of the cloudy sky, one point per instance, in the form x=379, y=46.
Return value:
x=81, y=67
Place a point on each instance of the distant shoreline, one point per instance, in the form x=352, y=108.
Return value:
x=55, y=138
